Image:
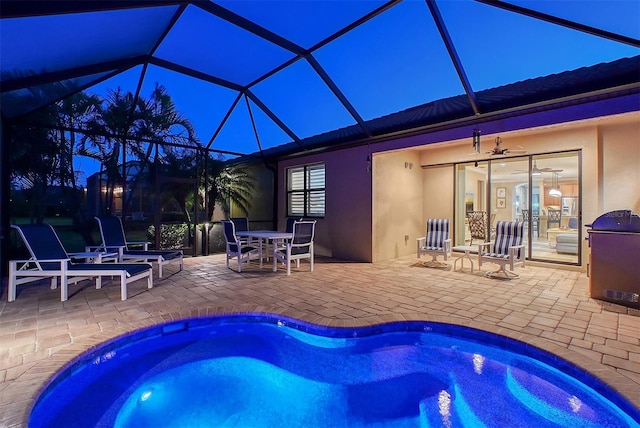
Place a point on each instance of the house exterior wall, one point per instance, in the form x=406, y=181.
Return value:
x=620, y=167
x=378, y=216
x=260, y=207
x=397, y=203
x=346, y=230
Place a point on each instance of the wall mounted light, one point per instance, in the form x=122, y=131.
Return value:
x=476, y=140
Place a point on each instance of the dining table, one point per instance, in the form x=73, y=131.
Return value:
x=264, y=237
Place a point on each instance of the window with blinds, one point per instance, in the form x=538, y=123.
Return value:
x=305, y=191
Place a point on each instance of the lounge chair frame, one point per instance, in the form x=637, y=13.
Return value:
x=114, y=239
x=59, y=265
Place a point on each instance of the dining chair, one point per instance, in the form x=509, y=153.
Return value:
x=477, y=225
x=298, y=248
x=535, y=222
x=235, y=248
x=289, y=224
x=240, y=223
x=554, y=218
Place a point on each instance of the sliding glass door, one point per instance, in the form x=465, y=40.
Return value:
x=543, y=191
x=472, y=203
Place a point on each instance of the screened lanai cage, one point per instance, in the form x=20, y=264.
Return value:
x=150, y=109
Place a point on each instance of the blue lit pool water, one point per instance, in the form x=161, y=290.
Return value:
x=270, y=371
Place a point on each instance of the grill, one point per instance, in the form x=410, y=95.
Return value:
x=614, y=260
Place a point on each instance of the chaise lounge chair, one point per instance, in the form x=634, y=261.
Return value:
x=113, y=239
x=50, y=260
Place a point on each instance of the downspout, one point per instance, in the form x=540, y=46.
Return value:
x=274, y=171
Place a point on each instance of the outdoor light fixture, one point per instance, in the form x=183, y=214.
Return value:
x=555, y=189
x=476, y=140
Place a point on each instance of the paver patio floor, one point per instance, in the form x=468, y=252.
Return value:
x=546, y=307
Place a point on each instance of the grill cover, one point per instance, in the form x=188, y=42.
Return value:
x=617, y=221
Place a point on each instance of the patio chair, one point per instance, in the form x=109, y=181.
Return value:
x=114, y=239
x=289, y=224
x=241, y=224
x=507, y=249
x=49, y=259
x=236, y=248
x=299, y=247
x=436, y=242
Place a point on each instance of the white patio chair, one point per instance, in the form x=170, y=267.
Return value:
x=49, y=259
x=507, y=249
x=436, y=242
x=298, y=248
x=236, y=248
x=114, y=239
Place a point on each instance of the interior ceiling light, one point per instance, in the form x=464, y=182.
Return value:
x=555, y=189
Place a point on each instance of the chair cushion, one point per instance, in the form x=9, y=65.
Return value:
x=496, y=255
x=569, y=238
x=429, y=248
x=131, y=268
x=508, y=234
x=437, y=233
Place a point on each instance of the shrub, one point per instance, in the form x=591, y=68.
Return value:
x=172, y=236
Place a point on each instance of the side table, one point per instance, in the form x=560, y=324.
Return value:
x=468, y=249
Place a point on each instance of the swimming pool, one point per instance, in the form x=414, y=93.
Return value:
x=267, y=370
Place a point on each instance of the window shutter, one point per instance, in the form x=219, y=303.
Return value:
x=306, y=191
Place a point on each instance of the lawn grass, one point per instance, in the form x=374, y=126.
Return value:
x=71, y=239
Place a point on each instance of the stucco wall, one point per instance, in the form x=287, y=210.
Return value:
x=397, y=204
x=346, y=230
x=378, y=216
x=620, y=167
x=261, y=202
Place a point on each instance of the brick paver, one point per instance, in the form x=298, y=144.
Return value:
x=546, y=307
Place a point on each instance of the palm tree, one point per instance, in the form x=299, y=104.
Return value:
x=72, y=113
x=34, y=159
x=230, y=184
x=107, y=136
x=122, y=125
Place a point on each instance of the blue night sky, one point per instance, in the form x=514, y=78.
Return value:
x=393, y=62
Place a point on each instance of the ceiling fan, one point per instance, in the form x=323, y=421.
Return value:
x=536, y=171
x=498, y=150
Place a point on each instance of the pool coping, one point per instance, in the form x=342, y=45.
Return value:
x=24, y=390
